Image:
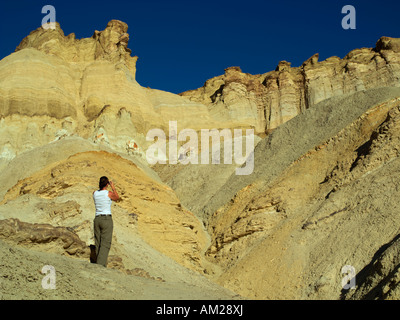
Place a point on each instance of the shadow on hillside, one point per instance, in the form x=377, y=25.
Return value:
x=363, y=277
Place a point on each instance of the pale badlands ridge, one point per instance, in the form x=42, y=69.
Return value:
x=323, y=193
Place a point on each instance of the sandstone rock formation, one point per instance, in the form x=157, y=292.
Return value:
x=55, y=86
x=310, y=208
x=323, y=193
x=327, y=209
x=270, y=99
x=28, y=234
x=62, y=196
x=110, y=45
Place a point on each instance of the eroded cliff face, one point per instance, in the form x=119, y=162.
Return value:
x=111, y=44
x=287, y=234
x=71, y=97
x=55, y=86
x=275, y=97
x=323, y=192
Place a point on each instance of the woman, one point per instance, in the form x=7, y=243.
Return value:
x=103, y=224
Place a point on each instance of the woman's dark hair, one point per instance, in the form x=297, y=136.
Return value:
x=103, y=182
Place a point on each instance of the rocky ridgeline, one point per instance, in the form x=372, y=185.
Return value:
x=277, y=96
x=110, y=44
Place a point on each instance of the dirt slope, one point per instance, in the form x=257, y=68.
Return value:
x=336, y=206
x=80, y=280
x=323, y=195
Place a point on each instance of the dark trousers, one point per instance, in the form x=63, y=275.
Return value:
x=103, y=229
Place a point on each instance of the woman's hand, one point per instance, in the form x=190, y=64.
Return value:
x=113, y=195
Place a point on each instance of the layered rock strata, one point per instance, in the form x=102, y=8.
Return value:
x=275, y=97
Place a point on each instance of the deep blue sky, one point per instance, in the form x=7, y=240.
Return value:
x=182, y=43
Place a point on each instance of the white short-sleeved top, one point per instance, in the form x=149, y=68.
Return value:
x=102, y=202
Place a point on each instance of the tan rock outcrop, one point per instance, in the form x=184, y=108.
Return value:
x=43, y=235
x=86, y=87
x=110, y=44
x=65, y=191
x=270, y=99
x=312, y=204
x=307, y=224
